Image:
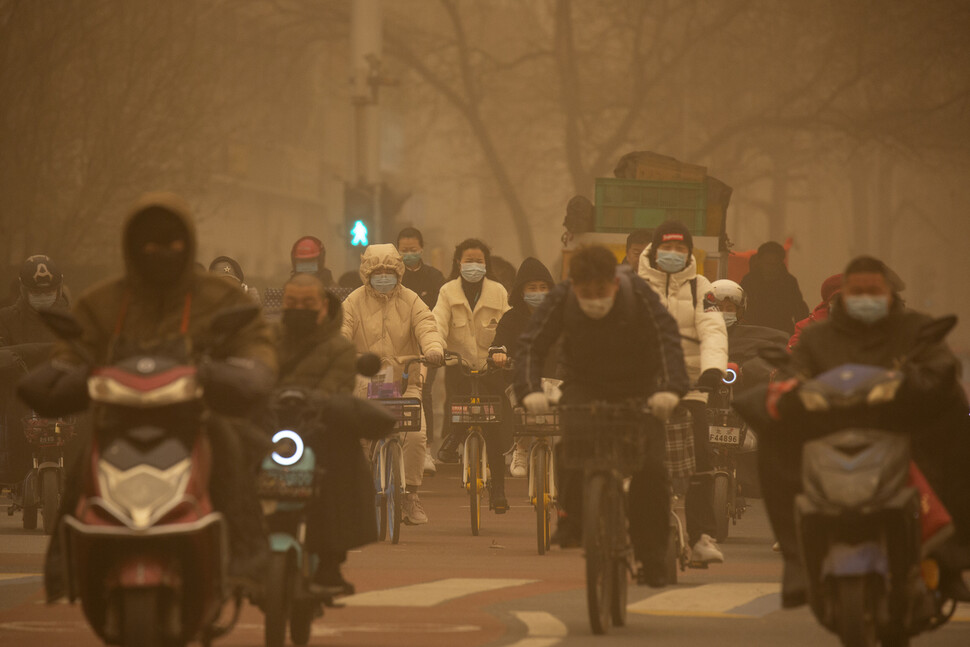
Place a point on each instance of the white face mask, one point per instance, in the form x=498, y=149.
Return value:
x=38, y=301
x=730, y=318
x=596, y=308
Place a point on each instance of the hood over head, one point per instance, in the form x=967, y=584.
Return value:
x=159, y=217
x=531, y=269
x=383, y=255
x=830, y=287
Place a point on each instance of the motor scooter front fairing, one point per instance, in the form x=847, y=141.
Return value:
x=857, y=516
x=145, y=519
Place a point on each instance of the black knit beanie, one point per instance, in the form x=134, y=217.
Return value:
x=667, y=231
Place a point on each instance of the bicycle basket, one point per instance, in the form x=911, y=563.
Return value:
x=47, y=432
x=536, y=424
x=406, y=412
x=476, y=410
x=602, y=435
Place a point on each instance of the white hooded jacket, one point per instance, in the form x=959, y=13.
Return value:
x=708, y=328
x=389, y=325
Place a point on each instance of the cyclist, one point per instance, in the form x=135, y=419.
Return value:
x=618, y=342
x=744, y=341
x=636, y=242
x=385, y=318
x=668, y=265
x=532, y=284
x=427, y=282
x=469, y=308
x=230, y=268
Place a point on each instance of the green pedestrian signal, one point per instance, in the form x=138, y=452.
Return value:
x=359, y=234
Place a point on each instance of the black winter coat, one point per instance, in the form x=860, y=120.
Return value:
x=426, y=281
x=774, y=301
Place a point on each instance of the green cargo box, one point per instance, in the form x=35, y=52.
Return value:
x=623, y=205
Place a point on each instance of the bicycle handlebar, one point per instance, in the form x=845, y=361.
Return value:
x=455, y=359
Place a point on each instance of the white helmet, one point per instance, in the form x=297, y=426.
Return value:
x=725, y=289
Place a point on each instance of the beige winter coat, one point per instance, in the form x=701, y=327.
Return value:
x=466, y=331
x=695, y=324
x=389, y=325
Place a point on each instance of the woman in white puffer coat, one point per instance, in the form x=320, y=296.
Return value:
x=385, y=318
x=668, y=265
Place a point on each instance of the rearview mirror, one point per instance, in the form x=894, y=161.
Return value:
x=62, y=323
x=368, y=364
x=933, y=332
x=231, y=320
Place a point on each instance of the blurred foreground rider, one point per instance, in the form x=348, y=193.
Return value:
x=314, y=355
x=867, y=325
x=164, y=304
x=618, y=343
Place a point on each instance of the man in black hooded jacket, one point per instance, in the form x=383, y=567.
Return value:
x=868, y=325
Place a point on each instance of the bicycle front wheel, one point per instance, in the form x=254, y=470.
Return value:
x=394, y=491
x=540, y=476
x=475, y=481
x=598, y=542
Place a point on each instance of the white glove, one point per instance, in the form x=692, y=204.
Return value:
x=434, y=357
x=662, y=404
x=536, y=403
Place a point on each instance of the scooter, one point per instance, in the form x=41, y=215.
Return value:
x=42, y=487
x=729, y=436
x=144, y=550
x=861, y=519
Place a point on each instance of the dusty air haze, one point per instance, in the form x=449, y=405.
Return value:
x=843, y=124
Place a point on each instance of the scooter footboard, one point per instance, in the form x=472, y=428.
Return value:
x=191, y=558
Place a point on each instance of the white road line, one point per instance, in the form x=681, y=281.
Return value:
x=709, y=600
x=542, y=629
x=429, y=594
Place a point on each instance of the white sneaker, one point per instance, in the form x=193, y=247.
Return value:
x=413, y=512
x=706, y=551
x=520, y=462
x=429, y=466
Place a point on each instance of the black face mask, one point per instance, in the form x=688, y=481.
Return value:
x=161, y=268
x=300, y=323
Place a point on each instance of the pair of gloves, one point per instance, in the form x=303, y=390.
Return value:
x=434, y=357
x=661, y=404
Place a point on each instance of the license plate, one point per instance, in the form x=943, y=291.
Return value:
x=725, y=435
x=280, y=484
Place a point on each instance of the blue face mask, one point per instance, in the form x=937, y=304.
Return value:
x=534, y=299
x=412, y=259
x=866, y=308
x=473, y=272
x=383, y=283
x=305, y=267
x=671, y=262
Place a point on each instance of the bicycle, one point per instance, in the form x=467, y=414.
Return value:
x=387, y=458
x=474, y=412
x=606, y=441
x=543, y=493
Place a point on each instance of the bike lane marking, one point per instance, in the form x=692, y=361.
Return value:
x=721, y=600
x=429, y=594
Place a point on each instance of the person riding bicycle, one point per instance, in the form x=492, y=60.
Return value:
x=618, y=342
x=744, y=341
x=164, y=304
x=230, y=268
x=25, y=342
x=315, y=356
x=385, y=318
x=532, y=284
x=869, y=325
x=669, y=267
x=469, y=308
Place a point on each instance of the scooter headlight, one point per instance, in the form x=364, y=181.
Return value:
x=730, y=376
x=288, y=448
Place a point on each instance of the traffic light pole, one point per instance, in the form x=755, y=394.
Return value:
x=366, y=52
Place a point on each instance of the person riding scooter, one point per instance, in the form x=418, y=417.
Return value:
x=163, y=305
x=868, y=325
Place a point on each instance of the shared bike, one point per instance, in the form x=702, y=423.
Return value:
x=543, y=430
x=607, y=441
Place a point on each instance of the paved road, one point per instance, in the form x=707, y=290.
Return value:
x=443, y=587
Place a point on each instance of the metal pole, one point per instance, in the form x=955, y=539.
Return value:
x=366, y=52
